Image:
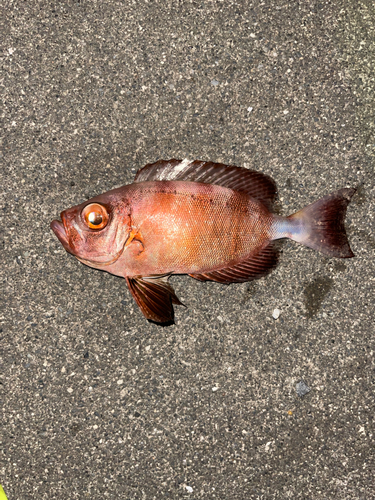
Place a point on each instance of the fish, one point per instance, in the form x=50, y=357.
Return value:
x=211, y=221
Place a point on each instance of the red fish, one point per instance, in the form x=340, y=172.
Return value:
x=209, y=220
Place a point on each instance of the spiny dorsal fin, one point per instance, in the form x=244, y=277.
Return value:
x=254, y=267
x=255, y=184
x=155, y=297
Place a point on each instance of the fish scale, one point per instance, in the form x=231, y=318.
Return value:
x=189, y=218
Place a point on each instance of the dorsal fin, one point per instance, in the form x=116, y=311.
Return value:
x=255, y=184
x=252, y=268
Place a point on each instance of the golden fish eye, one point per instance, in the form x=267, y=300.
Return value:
x=95, y=216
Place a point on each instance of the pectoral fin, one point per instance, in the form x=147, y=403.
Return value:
x=154, y=296
x=135, y=237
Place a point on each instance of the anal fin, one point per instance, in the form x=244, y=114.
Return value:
x=253, y=267
x=154, y=296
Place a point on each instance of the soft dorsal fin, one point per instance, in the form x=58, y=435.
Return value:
x=255, y=184
x=254, y=267
x=155, y=297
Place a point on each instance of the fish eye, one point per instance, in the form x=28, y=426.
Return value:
x=95, y=216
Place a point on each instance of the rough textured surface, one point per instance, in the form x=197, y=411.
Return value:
x=96, y=402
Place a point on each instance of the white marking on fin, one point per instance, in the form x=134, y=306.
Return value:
x=177, y=169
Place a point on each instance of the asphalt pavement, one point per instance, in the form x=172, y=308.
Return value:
x=261, y=390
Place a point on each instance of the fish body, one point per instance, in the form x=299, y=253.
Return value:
x=185, y=227
x=211, y=221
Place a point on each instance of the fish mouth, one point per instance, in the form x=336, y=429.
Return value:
x=59, y=230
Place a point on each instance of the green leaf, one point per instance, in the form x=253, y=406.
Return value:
x=2, y=494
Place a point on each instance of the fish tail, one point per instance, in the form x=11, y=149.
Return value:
x=320, y=225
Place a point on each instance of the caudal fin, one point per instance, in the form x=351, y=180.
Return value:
x=321, y=225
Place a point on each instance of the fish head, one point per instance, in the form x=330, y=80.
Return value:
x=95, y=231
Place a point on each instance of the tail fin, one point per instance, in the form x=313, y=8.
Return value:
x=321, y=225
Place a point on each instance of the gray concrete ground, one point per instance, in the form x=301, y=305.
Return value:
x=229, y=403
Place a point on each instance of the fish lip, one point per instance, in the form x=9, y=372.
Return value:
x=59, y=230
